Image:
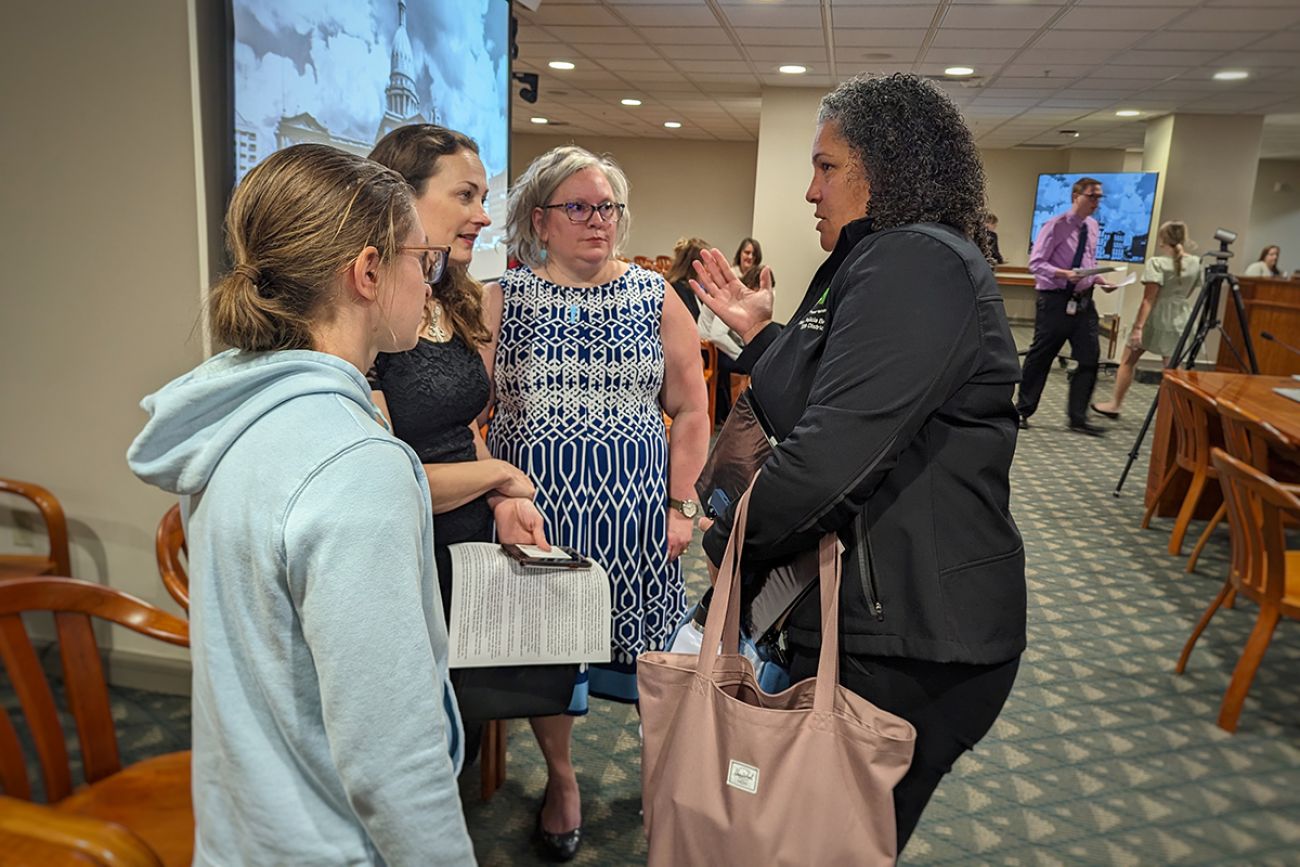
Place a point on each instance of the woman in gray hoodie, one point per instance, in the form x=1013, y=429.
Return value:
x=324, y=729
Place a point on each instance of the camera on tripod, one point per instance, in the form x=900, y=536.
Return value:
x=1224, y=237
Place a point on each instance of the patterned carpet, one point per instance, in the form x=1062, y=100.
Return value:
x=1102, y=755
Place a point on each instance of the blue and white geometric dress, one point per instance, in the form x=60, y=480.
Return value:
x=578, y=373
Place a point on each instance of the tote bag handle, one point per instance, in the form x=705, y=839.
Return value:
x=723, y=623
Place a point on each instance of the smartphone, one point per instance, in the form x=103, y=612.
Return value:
x=717, y=504
x=556, y=558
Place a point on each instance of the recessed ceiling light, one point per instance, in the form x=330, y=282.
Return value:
x=560, y=64
x=1127, y=112
x=673, y=124
x=630, y=101
x=540, y=120
x=1231, y=75
x=792, y=69
x=959, y=70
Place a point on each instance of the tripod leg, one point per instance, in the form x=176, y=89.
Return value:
x=1235, y=290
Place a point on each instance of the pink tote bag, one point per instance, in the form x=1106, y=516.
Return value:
x=733, y=775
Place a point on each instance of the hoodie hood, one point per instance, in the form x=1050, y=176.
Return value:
x=193, y=420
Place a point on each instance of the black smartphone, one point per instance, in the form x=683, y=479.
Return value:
x=558, y=557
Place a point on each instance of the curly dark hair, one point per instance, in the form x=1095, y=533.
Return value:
x=916, y=151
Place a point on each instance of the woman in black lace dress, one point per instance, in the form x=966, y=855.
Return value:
x=434, y=393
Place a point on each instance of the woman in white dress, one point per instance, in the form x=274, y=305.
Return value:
x=1170, y=283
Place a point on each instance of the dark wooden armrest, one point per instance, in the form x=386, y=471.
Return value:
x=56, y=524
x=104, y=842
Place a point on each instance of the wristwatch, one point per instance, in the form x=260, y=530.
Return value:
x=689, y=508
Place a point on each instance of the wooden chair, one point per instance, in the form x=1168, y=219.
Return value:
x=169, y=545
x=58, y=561
x=709, y=358
x=1262, y=570
x=136, y=815
x=1192, y=409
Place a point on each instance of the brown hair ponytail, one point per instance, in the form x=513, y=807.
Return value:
x=1174, y=234
x=293, y=225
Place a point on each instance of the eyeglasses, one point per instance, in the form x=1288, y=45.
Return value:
x=433, y=259
x=1096, y=197
x=580, y=212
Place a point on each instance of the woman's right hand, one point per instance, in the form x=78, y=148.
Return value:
x=516, y=483
x=745, y=311
x=1135, y=338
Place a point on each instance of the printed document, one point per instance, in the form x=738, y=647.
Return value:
x=504, y=613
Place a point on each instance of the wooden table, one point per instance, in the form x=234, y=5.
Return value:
x=1254, y=394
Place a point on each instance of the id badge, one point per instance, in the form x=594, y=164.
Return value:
x=1072, y=308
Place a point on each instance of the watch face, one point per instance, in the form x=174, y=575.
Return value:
x=690, y=508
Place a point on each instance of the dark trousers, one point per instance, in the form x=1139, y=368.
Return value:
x=951, y=705
x=1052, y=328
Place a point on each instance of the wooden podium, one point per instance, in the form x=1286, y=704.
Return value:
x=1272, y=305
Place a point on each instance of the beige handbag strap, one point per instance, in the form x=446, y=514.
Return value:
x=723, y=622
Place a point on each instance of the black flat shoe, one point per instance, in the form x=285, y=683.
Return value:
x=1114, y=416
x=1091, y=430
x=1023, y=423
x=556, y=848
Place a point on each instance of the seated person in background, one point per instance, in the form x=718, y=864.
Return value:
x=711, y=329
x=1170, y=284
x=1267, y=264
x=991, y=232
x=748, y=255
x=685, y=251
x=324, y=727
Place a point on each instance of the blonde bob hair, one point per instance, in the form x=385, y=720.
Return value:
x=539, y=182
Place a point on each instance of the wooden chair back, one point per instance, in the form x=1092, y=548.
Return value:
x=58, y=561
x=1256, y=506
x=73, y=604
x=169, y=545
x=1192, y=409
x=709, y=357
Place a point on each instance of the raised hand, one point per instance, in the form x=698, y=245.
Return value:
x=745, y=311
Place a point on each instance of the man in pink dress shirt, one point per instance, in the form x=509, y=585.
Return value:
x=1065, y=245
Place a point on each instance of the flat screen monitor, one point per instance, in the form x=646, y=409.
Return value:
x=345, y=74
x=1124, y=215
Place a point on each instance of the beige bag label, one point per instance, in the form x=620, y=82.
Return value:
x=742, y=776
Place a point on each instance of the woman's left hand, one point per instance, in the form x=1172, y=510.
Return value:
x=519, y=523
x=679, y=533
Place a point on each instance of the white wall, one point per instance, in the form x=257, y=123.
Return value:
x=783, y=220
x=679, y=188
x=1275, y=213
x=101, y=293
x=1011, y=179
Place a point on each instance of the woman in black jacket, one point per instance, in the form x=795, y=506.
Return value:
x=890, y=392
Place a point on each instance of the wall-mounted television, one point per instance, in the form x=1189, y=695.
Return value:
x=347, y=73
x=1129, y=198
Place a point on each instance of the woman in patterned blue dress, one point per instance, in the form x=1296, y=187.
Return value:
x=589, y=355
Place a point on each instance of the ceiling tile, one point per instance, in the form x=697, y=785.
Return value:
x=773, y=15
x=912, y=15
x=595, y=35
x=659, y=15
x=685, y=35
x=1131, y=18
x=949, y=37
x=1016, y=17
x=751, y=36
x=1267, y=20
x=881, y=38
x=1200, y=40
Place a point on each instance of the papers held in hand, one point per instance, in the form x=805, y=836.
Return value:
x=1088, y=272
x=506, y=613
